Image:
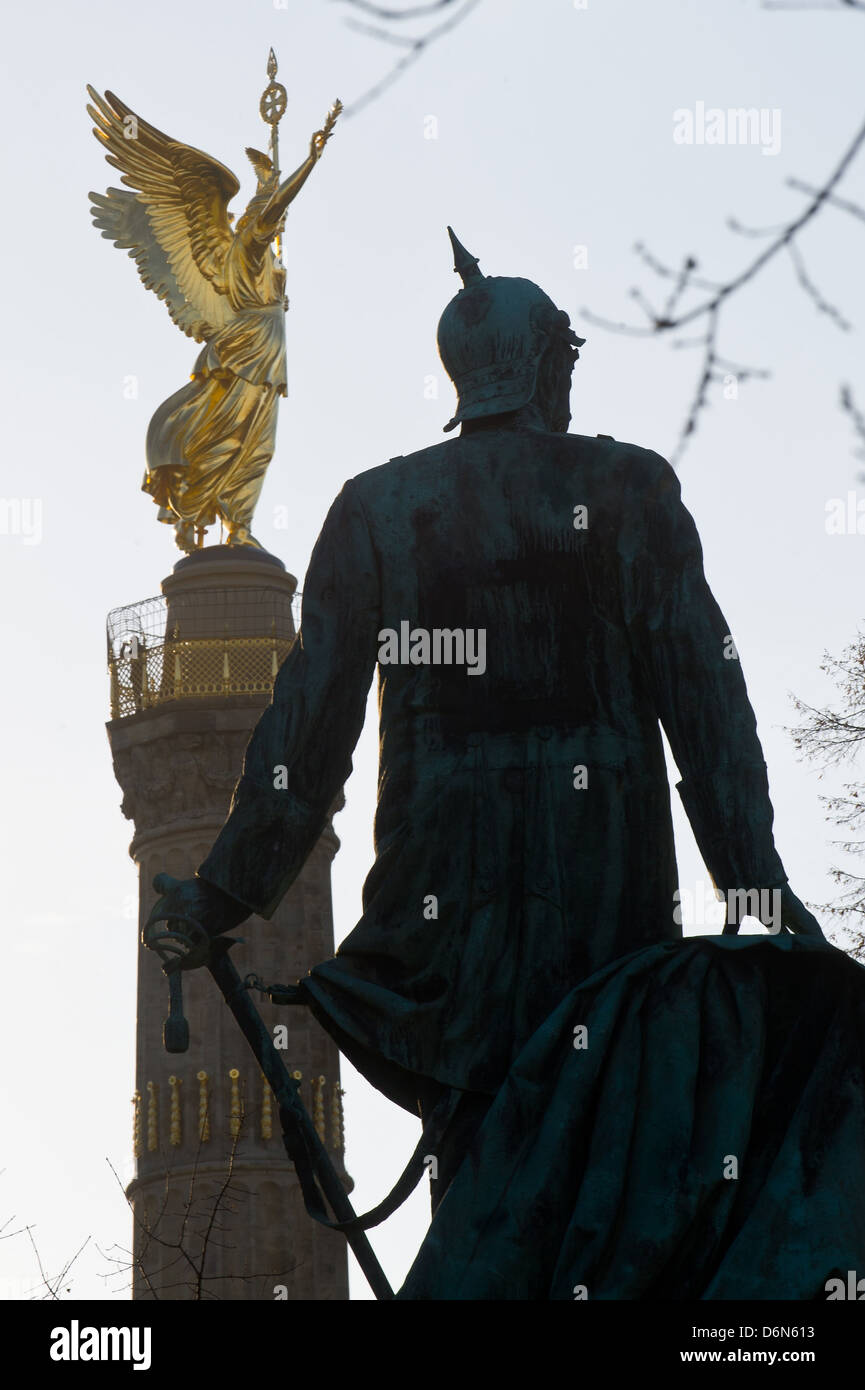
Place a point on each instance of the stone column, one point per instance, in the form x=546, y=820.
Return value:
x=212, y=1175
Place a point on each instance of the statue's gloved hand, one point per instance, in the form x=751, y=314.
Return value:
x=194, y=897
x=779, y=910
x=796, y=917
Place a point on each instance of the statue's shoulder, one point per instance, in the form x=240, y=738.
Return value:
x=371, y=481
x=644, y=466
x=616, y=462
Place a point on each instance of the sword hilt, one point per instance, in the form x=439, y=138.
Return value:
x=181, y=944
x=175, y=1029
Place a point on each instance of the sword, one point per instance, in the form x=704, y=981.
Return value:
x=182, y=944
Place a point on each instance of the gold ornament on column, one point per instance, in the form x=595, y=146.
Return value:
x=234, y=1113
x=175, y=1136
x=266, y=1109
x=152, y=1117
x=209, y=445
x=317, y=1084
x=203, y=1107
x=136, y=1125
x=337, y=1123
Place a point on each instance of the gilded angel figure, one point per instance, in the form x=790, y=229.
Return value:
x=209, y=444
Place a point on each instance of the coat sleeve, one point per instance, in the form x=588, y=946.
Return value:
x=299, y=755
x=686, y=651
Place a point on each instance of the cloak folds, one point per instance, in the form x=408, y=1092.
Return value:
x=706, y=1143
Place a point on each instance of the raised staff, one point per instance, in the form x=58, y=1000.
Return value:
x=274, y=100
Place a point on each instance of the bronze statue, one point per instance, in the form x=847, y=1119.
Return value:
x=208, y=445
x=627, y=1113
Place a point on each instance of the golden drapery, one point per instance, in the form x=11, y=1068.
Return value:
x=209, y=444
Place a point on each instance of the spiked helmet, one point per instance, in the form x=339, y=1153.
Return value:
x=492, y=336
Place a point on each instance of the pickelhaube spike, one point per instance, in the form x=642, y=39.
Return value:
x=464, y=264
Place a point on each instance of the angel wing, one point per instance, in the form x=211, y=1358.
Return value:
x=175, y=225
x=261, y=163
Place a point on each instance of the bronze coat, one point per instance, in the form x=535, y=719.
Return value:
x=593, y=635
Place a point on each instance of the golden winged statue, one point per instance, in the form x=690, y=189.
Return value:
x=208, y=445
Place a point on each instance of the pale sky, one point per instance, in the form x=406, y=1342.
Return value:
x=553, y=127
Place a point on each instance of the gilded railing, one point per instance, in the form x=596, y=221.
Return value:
x=143, y=677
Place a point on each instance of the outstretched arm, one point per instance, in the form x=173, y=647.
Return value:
x=270, y=220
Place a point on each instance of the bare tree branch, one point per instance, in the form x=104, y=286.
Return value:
x=741, y=230
x=836, y=5
x=665, y=271
x=52, y=1285
x=719, y=295
x=411, y=12
x=823, y=306
x=849, y=406
x=828, y=737
x=193, y=1231
x=843, y=203
x=372, y=31
x=701, y=395
x=414, y=47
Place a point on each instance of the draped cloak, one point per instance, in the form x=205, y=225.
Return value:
x=523, y=832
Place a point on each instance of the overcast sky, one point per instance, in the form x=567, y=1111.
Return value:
x=535, y=128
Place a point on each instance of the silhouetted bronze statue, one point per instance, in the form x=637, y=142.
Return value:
x=537, y=607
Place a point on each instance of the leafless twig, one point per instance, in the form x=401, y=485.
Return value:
x=52, y=1286
x=828, y=737
x=414, y=47
x=855, y=209
x=389, y=14
x=822, y=305
x=836, y=5
x=857, y=419
x=719, y=295
x=185, y=1236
